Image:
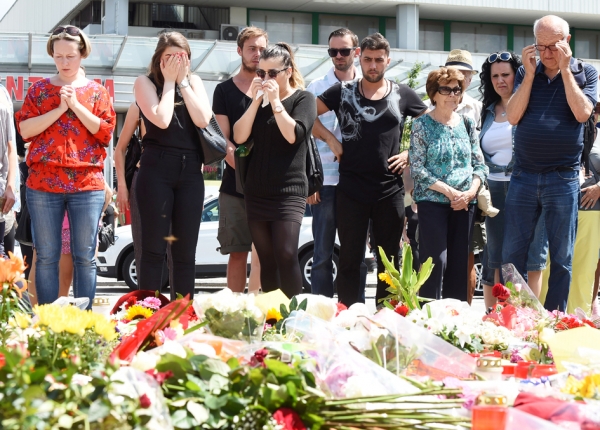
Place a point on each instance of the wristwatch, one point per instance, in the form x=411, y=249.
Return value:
x=184, y=83
x=278, y=109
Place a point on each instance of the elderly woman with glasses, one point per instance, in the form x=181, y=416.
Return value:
x=69, y=121
x=496, y=137
x=447, y=167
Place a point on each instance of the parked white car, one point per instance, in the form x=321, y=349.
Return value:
x=118, y=261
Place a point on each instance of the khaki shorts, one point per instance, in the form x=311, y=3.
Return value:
x=234, y=234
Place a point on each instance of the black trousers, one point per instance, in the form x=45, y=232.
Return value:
x=170, y=198
x=445, y=235
x=387, y=217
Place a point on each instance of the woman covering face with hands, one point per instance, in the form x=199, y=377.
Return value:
x=169, y=184
x=276, y=185
x=69, y=121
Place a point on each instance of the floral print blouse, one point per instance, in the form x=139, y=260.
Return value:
x=444, y=153
x=66, y=157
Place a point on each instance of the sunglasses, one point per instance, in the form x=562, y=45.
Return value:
x=272, y=73
x=71, y=31
x=445, y=91
x=502, y=56
x=344, y=52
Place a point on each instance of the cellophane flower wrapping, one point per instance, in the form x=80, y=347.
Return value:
x=521, y=295
x=231, y=315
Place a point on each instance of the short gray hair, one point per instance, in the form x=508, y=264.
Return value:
x=564, y=25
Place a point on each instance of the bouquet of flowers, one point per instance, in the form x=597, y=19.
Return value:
x=229, y=315
x=12, y=287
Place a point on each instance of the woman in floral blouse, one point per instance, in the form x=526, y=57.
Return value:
x=448, y=168
x=69, y=121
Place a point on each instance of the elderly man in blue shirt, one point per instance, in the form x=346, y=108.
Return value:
x=553, y=99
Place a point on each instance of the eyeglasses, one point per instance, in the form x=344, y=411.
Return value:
x=71, y=31
x=445, y=91
x=344, y=52
x=542, y=48
x=502, y=56
x=272, y=73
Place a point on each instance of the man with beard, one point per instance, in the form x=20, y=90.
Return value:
x=230, y=100
x=343, y=49
x=371, y=112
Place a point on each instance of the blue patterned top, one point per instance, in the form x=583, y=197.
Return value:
x=443, y=153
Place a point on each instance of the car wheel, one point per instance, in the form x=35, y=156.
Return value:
x=130, y=272
x=306, y=269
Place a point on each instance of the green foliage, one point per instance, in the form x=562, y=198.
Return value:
x=285, y=312
x=413, y=75
x=404, y=286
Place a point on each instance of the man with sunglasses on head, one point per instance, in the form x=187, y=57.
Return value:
x=343, y=50
x=230, y=100
x=371, y=113
x=552, y=99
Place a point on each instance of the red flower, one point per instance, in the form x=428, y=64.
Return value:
x=258, y=359
x=2, y=360
x=145, y=402
x=130, y=302
x=340, y=307
x=501, y=292
x=289, y=419
x=135, y=296
x=160, y=377
x=394, y=302
x=401, y=310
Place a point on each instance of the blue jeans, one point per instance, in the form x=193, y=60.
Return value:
x=538, y=251
x=47, y=211
x=323, y=227
x=557, y=195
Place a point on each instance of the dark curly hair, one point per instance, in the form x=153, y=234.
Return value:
x=488, y=93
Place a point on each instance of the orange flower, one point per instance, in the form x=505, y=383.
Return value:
x=11, y=274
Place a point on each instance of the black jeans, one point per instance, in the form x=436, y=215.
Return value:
x=445, y=235
x=170, y=198
x=387, y=217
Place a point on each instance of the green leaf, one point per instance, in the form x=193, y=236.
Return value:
x=182, y=420
x=303, y=304
x=294, y=304
x=213, y=366
x=98, y=411
x=278, y=368
x=215, y=402
x=386, y=263
x=65, y=421
x=217, y=383
x=198, y=411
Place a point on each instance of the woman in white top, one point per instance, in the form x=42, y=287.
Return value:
x=496, y=137
x=8, y=160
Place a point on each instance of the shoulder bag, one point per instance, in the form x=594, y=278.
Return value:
x=132, y=156
x=314, y=167
x=212, y=142
x=242, y=156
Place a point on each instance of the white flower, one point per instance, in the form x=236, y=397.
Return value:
x=200, y=348
x=173, y=347
x=144, y=361
x=319, y=306
x=346, y=318
x=360, y=309
x=434, y=325
x=546, y=334
x=463, y=334
x=79, y=379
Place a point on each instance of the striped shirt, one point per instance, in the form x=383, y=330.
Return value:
x=548, y=135
x=330, y=122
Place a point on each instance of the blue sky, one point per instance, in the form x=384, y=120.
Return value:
x=4, y=6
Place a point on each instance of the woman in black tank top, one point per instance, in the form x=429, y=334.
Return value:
x=170, y=185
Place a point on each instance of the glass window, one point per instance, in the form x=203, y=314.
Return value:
x=523, y=36
x=360, y=25
x=587, y=44
x=390, y=32
x=140, y=14
x=431, y=35
x=474, y=37
x=290, y=27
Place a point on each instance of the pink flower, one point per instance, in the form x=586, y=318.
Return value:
x=151, y=303
x=145, y=402
x=162, y=336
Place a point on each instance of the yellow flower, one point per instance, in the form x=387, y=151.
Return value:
x=105, y=328
x=590, y=388
x=138, y=312
x=385, y=277
x=273, y=315
x=20, y=320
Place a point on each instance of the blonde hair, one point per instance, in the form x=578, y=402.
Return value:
x=85, y=46
x=284, y=51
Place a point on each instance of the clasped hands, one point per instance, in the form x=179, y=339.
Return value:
x=270, y=87
x=459, y=200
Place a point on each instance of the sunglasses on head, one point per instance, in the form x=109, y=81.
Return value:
x=445, y=91
x=502, y=56
x=272, y=73
x=344, y=52
x=71, y=31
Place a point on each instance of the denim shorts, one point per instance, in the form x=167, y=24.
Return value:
x=538, y=251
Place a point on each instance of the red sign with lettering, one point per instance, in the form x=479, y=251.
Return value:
x=17, y=87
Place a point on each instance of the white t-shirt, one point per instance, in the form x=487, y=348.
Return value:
x=497, y=142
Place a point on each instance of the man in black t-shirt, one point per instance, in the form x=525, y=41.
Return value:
x=371, y=113
x=230, y=100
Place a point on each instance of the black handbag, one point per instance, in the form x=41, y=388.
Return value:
x=132, y=157
x=23, y=232
x=314, y=167
x=242, y=161
x=106, y=237
x=212, y=141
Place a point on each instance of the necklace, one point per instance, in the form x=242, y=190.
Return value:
x=362, y=91
x=503, y=114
